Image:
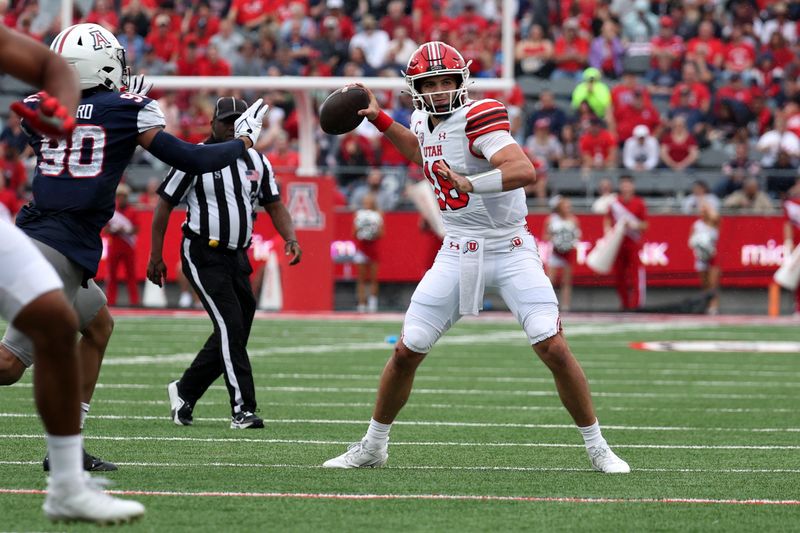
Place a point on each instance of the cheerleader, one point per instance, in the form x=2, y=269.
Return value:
x=367, y=229
x=562, y=229
x=703, y=242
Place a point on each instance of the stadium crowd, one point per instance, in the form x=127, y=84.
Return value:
x=633, y=85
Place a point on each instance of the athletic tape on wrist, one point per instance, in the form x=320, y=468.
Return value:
x=487, y=182
x=382, y=121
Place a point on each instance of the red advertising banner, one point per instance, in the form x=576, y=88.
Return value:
x=750, y=247
x=307, y=286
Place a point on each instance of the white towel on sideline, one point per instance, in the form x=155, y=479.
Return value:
x=471, y=283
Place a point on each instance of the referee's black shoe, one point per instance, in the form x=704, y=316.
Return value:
x=246, y=420
x=180, y=410
x=90, y=464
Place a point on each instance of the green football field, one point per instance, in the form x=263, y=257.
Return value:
x=712, y=436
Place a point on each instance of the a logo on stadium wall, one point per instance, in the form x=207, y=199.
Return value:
x=303, y=206
x=471, y=247
x=516, y=242
x=100, y=41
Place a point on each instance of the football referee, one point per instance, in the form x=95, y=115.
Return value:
x=216, y=235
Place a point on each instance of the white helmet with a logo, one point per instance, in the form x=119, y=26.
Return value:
x=96, y=55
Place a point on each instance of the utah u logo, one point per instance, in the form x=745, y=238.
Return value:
x=100, y=41
x=471, y=246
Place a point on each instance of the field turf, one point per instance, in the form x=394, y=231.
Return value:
x=483, y=444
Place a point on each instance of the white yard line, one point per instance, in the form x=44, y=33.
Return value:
x=443, y=468
x=248, y=440
x=433, y=423
x=469, y=392
x=446, y=497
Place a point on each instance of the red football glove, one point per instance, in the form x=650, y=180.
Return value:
x=51, y=119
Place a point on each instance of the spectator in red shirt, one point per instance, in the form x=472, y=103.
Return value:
x=782, y=53
x=735, y=90
x=571, y=52
x=429, y=20
x=396, y=16
x=678, y=147
x=213, y=65
x=250, y=14
x=190, y=60
x=666, y=43
x=598, y=147
x=13, y=170
x=705, y=47
x=622, y=94
x=637, y=112
x=699, y=95
x=104, y=15
x=629, y=209
x=534, y=54
x=283, y=157
x=346, y=26
x=122, y=229
x=471, y=19
x=164, y=42
x=202, y=23
x=740, y=56
x=9, y=203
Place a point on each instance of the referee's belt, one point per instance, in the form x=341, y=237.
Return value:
x=212, y=244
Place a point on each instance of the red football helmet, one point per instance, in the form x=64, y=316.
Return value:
x=436, y=59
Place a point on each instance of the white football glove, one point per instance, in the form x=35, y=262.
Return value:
x=250, y=123
x=138, y=85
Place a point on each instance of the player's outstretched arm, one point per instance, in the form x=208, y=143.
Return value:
x=400, y=136
x=156, y=269
x=199, y=159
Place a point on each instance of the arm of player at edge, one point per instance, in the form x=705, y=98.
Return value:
x=156, y=269
x=34, y=63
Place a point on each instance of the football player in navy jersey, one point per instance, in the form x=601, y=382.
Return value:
x=76, y=179
x=32, y=299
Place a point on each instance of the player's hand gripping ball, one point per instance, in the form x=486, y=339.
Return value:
x=339, y=112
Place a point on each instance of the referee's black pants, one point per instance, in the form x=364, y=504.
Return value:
x=222, y=281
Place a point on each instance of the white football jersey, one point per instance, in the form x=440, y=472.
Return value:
x=457, y=141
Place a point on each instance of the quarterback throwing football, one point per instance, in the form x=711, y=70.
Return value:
x=477, y=172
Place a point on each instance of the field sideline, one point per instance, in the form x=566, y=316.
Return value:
x=483, y=444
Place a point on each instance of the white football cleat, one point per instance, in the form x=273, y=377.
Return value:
x=359, y=456
x=85, y=501
x=606, y=461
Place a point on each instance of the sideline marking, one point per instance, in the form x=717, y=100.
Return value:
x=786, y=347
x=450, y=497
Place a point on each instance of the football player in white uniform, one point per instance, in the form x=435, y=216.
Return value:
x=477, y=172
x=32, y=300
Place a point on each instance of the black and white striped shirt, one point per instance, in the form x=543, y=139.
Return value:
x=221, y=203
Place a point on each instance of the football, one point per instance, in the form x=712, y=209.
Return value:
x=339, y=112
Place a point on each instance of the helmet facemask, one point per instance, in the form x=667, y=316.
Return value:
x=437, y=59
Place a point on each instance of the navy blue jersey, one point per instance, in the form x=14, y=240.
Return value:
x=76, y=179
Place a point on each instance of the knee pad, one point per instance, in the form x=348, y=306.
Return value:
x=419, y=337
x=541, y=321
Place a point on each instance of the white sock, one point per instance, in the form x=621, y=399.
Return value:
x=377, y=434
x=592, y=435
x=66, y=458
x=84, y=413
